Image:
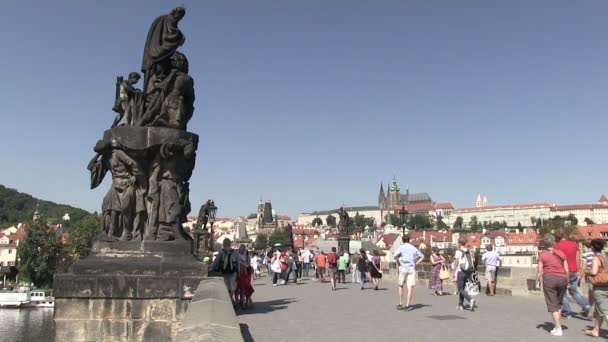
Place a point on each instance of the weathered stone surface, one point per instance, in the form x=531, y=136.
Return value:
x=68, y=285
x=117, y=286
x=70, y=308
x=162, y=310
x=127, y=296
x=211, y=288
x=210, y=316
x=158, y=287
x=78, y=330
x=113, y=330
x=210, y=333
x=156, y=331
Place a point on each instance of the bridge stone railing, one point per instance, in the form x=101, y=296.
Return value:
x=210, y=315
x=511, y=281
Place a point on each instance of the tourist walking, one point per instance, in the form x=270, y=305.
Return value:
x=600, y=291
x=227, y=263
x=275, y=262
x=573, y=256
x=354, y=269
x=342, y=267
x=408, y=257
x=244, y=290
x=585, y=266
x=321, y=264
x=362, y=267
x=464, y=266
x=491, y=259
x=374, y=269
x=292, y=268
x=306, y=259
x=332, y=265
x=254, y=265
x=435, y=283
x=299, y=265
x=268, y=259
x=552, y=274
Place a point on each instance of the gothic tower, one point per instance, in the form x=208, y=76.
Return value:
x=393, y=194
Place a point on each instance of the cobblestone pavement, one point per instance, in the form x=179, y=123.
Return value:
x=310, y=311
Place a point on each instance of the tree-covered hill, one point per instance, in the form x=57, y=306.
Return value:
x=18, y=207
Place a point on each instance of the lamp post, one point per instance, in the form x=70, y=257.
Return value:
x=212, y=212
x=403, y=216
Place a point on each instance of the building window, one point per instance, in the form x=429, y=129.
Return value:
x=10, y=251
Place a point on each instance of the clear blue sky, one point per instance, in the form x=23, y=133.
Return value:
x=313, y=103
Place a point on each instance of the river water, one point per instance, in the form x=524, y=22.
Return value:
x=26, y=325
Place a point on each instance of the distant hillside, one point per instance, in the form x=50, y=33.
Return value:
x=18, y=207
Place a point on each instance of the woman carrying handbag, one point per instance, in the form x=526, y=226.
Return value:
x=437, y=263
x=598, y=276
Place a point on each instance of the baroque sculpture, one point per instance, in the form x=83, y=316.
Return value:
x=343, y=237
x=151, y=155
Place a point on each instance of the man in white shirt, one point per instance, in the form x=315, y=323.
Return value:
x=491, y=258
x=408, y=257
x=306, y=261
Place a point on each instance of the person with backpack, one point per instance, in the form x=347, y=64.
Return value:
x=464, y=267
x=227, y=263
x=332, y=264
x=291, y=268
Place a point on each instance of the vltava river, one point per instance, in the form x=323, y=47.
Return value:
x=26, y=325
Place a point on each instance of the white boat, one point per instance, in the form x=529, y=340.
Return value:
x=26, y=299
x=39, y=299
x=13, y=299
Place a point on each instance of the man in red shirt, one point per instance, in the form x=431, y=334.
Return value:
x=321, y=264
x=573, y=255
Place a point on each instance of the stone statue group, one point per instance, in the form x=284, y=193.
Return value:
x=147, y=150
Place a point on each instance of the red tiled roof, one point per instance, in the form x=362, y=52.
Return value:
x=527, y=238
x=426, y=206
x=591, y=231
x=445, y=205
x=603, y=198
x=388, y=239
x=507, y=206
x=578, y=207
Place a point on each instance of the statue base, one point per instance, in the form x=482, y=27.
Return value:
x=127, y=291
x=344, y=244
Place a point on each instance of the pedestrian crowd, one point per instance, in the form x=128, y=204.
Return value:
x=561, y=269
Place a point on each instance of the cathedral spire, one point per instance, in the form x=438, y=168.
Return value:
x=381, y=196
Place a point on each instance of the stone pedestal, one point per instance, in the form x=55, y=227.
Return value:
x=343, y=243
x=127, y=291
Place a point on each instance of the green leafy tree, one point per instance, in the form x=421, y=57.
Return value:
x=261, y=242
x=440, y=224
x=573, y=220
x=18, y=207
x=331, y=221
x=395, y=219
x=458, y=223
x=519, y=225
x=277, y=236
x=475, y=225
x=588, y=220
x=81, y=235
x=38, y=254
x=557, y=225
x=317, y=222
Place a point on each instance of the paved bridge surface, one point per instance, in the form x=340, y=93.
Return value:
x=310, y=311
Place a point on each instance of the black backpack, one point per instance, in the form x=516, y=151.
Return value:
x=228, y=263
x=468, y=266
